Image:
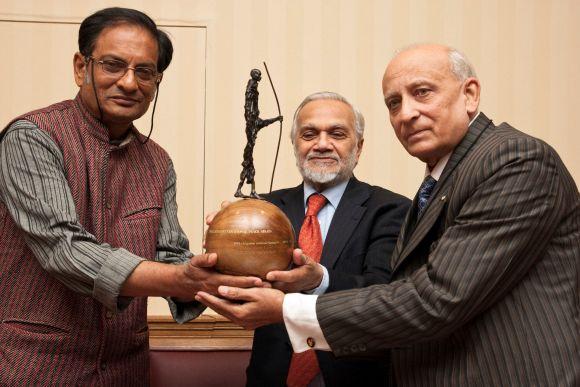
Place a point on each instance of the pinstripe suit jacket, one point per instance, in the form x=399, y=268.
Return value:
x=485, y=289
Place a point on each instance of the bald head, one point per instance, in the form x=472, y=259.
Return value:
x=432, y=94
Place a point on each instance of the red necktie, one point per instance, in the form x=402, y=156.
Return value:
x=304, y=366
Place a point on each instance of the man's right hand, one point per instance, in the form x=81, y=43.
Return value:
x=183, y=281
x=199, y=275
x=305, y=275
x=250, y=308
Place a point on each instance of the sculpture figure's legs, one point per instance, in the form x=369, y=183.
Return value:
x=250, y=180
x=239, y=193
x=254, y=194
x=243, y=175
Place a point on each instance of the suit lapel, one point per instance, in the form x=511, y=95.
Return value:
x=346, y=218
x=292, y=204
x=475, y=130
x=406, y=228
x=422, y=226
x=412, y=236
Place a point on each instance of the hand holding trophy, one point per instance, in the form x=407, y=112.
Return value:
x=251, y=236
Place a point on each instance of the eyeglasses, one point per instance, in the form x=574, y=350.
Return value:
x=117, y=69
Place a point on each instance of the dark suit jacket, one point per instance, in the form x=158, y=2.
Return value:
x=356, y=252
x=485, y=287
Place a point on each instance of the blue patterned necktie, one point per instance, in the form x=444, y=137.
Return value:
x=424, y=193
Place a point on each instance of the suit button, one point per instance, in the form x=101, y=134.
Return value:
x=310, y=342
x=103, y=366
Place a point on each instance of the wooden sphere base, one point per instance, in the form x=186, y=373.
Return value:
x=251, y=237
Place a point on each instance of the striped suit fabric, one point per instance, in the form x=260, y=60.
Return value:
x=50, y=334
x=485, y=289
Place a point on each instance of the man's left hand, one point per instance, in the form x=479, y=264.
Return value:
x=250, y=308
x=306, y=275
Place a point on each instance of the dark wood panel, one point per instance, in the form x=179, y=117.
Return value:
x=205, y=333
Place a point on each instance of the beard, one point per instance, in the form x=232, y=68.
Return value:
x=323, y=173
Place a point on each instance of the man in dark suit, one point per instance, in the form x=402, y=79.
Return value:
x=359, y=227
x=485, y=288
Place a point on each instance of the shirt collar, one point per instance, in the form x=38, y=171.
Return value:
x=332, y=194
x=125, y=141
x=440, y=166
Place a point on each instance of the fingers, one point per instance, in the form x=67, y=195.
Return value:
x=299, y=258
x=219, y=305
x=239, y=281
x=283, y=276
x=249, y=308
x=233, y=293
x=229, y=293
x=284, y=287
x=204, y=260
x=279, y=275
x=301, y=278
x=266, y=284
x=209, y=217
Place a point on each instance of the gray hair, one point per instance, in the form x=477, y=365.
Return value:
x=460, y=66
x=359, y=120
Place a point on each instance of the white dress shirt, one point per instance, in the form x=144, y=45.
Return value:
x=438, y=168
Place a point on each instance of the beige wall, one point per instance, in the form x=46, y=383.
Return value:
x=525, y=52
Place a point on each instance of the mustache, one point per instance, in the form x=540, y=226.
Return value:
x=119, y=93
x=314, y=155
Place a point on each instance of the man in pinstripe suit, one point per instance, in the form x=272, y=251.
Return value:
x=486, y=268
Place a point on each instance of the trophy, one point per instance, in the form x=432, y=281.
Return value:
x=251, y=236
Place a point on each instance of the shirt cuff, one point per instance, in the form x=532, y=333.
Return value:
x=321, y=289
x=182, y=312
x=299, y=311
x=113, y=274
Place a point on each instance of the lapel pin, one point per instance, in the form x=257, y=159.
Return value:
x=443, y=198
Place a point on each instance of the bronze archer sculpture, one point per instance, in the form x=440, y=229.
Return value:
x=253, y=125
x=252, y=237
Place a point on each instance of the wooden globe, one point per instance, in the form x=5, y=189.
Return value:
x=251, y=237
